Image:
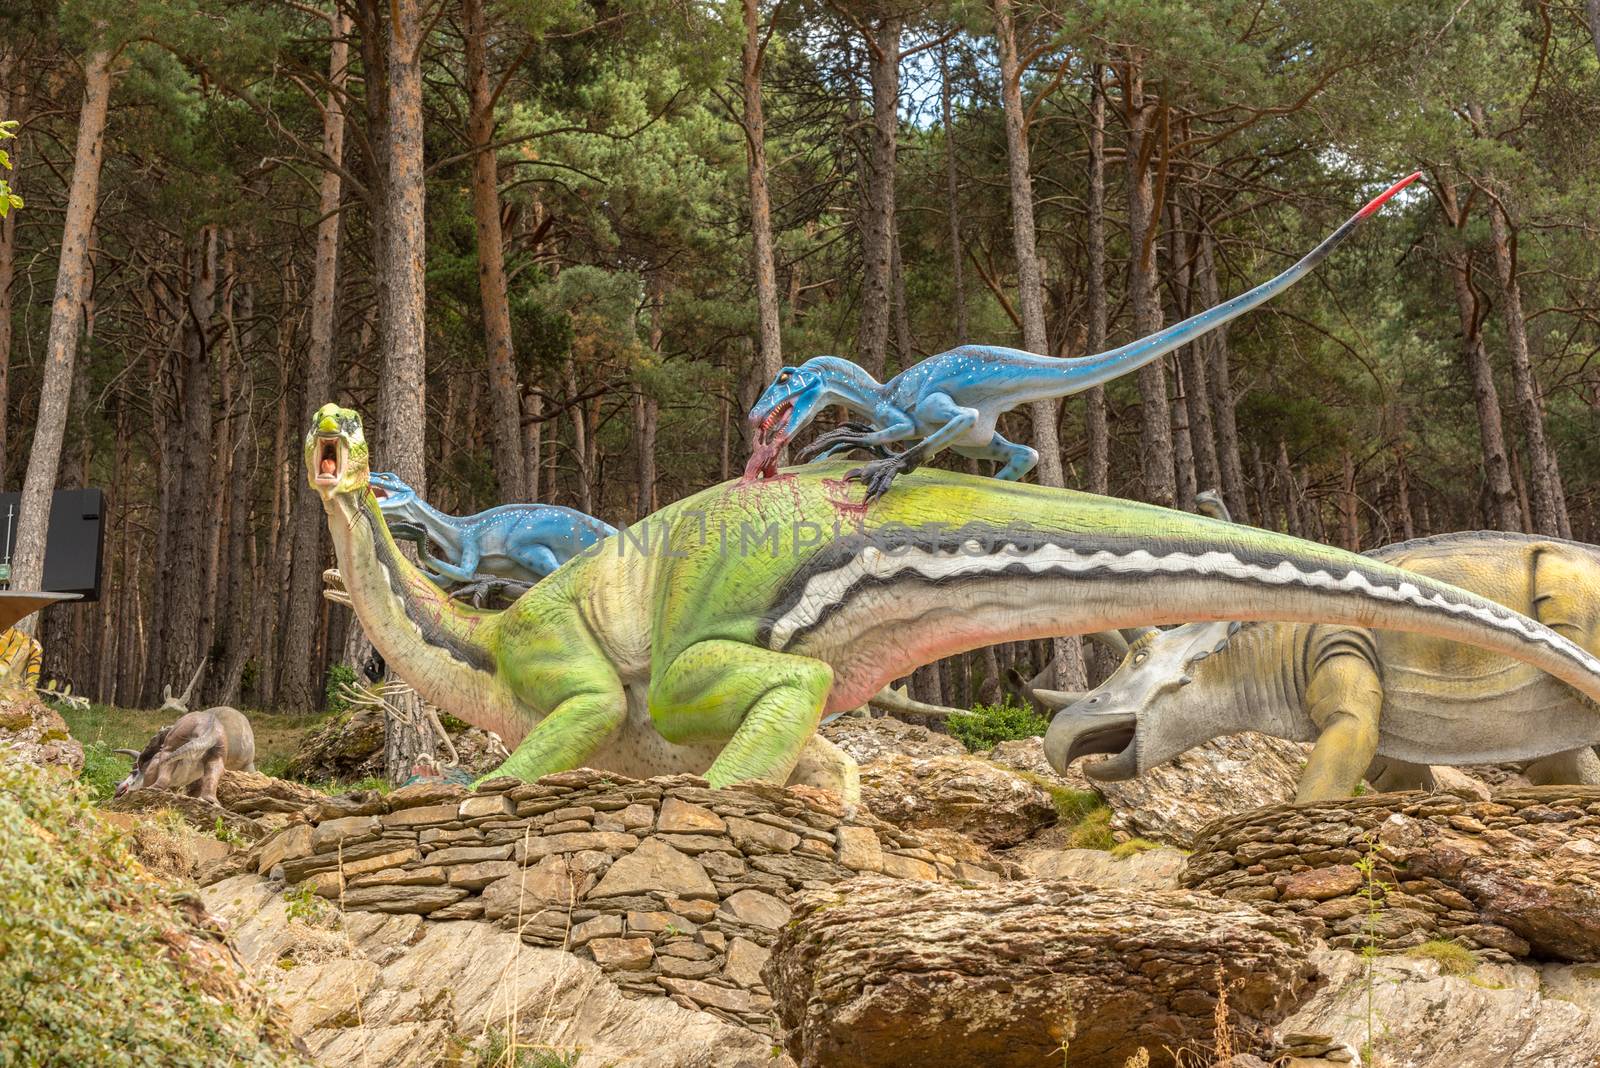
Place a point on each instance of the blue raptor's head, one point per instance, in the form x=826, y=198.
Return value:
x=784, y=408
x=390, y=489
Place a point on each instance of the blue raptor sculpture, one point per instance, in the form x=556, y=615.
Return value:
x=953, y=400
x=504, y=549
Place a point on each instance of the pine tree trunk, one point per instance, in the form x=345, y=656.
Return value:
x=1193, y=363
x=1546, y=497
x=1068, y=659
x=532, y=442
x=72, y=287
x=13, y=105
x=958, y=286
x=297, y=688
x=504, y=394
x=403, y=320
x=769, y=341
x=1230, y=465
x=1349, y=512
x=185, y=616
x=1095, y=419
x=1503, y=510
x=1155, y=439
x=1288, y=492
x=877, y=229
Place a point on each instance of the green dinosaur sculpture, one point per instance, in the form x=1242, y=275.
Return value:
x=1410, y=700
x=712, y=637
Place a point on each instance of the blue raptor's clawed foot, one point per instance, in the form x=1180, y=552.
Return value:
x=842, y=439
x=879, y=475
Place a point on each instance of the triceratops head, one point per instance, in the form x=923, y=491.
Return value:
x=1147, y=712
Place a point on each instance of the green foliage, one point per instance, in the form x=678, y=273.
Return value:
x=1452, y=957
x=8, y=199
x=338, y=674
x=300, y=903
x=988, y=725
x=83, y=974
x=102, y=770
x=496, y=1051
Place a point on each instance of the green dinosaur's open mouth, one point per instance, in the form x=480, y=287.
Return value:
x=330, y=459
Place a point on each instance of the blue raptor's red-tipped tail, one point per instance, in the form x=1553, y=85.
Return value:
x=1379, y=200
x=1096, y=370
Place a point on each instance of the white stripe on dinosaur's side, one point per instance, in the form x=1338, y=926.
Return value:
x=828, y=588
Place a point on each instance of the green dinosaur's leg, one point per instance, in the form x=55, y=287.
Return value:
x=766, y=704
x=1343, y=698
x=589, y=705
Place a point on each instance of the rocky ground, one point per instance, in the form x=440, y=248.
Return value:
x=975, y=910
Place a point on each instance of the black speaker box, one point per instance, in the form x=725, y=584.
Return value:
x=73, y=544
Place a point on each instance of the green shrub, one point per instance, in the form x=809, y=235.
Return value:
x=103, y=769
x=989, y=725
x=337, y=674
x=86, y=976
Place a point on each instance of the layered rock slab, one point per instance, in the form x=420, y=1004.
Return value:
x=991, y=805
x=1517, y=876
x=881, y=974
x=395, y=990
x=1407, y=1012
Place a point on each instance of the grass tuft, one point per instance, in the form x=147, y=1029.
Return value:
x=1452, y=957
x=1093, y=831
x=1124, y=850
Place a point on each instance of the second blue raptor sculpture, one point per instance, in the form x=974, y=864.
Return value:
x=504, y=549
x=953, y=400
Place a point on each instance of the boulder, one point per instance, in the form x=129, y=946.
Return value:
x=1414, y=1015
x=993, y=806
x=350, y=747
x=1027, y=755
x=868, y=738
x=1171, y=802
x=34, y=733
x=201, y=815
x=250, y=793
x=1154, y=869
x=879, y=973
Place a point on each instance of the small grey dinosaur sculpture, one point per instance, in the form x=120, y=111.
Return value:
x=193, y=753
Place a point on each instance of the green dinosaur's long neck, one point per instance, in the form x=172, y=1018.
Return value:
x=443, y=650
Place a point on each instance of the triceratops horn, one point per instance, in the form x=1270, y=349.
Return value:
x=1133, y=634
x=1111, y=639
x=134, y=753
x=1056, y=700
